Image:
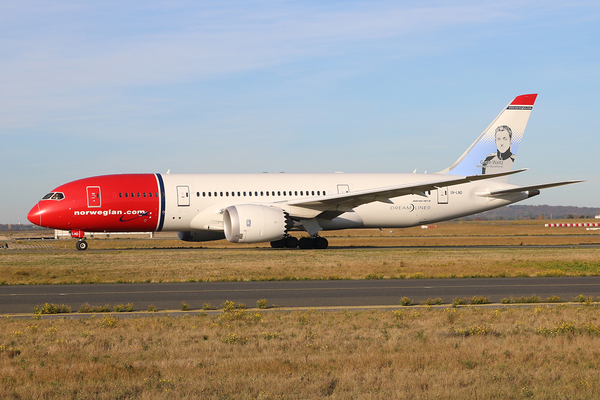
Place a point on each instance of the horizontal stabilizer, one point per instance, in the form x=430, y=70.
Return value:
x=520, y=189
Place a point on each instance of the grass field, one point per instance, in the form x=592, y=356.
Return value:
x=366, y=254
x=538, y=352
x=266, y=264
x=542, y=352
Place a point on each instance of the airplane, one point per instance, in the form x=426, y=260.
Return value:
x=255, y=208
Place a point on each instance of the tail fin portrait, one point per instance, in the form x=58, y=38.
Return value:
x=496, y=148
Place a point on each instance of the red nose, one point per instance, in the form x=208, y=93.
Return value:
x=35, y=215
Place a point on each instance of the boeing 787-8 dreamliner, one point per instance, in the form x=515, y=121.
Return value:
x=253, y=208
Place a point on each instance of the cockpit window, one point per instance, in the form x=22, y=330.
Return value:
x=54, y=196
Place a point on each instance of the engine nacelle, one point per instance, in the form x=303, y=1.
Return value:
x=200, y=236
x=254, y=223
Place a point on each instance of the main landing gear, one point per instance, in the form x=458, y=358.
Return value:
x=81, y=244
x=317, y=242
x=291, y=242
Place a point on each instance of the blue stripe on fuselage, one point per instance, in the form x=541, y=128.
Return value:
x=163, y=202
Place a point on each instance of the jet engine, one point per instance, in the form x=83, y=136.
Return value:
x=200, y=236
x=255, y=223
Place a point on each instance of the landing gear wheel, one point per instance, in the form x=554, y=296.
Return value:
x=81, y=245
x=278, y=244
x=306, y=243
x=291, y=242
x=321, y=243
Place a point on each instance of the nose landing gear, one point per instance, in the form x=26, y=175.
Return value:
x=81, y=244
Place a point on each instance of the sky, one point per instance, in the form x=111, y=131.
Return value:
x=94, y=88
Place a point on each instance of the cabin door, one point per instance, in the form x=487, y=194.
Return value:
x=442, y=195
x=343, y=188
x=183, y=196
x=93, y=196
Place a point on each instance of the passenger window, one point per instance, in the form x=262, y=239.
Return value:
x=267, y=193
x=262, y=193
x=226, y=194
x=250, y=194
x=238, y=194
x=209, y=194
x=313, y=192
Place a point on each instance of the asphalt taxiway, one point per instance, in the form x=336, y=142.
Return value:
x=335, y=294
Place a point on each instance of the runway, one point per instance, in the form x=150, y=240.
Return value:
x=338, y=293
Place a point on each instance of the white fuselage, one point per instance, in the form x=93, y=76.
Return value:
x=196, y=201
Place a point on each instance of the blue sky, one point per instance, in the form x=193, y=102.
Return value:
x=92, y=88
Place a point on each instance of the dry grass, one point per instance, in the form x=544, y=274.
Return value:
x=538, y=352
x=182, y=265
x=358, y=254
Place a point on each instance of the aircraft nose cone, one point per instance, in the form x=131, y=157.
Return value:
x=35, y=215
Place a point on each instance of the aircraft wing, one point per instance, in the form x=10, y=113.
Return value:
x=519, y=189
x=345, y=202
